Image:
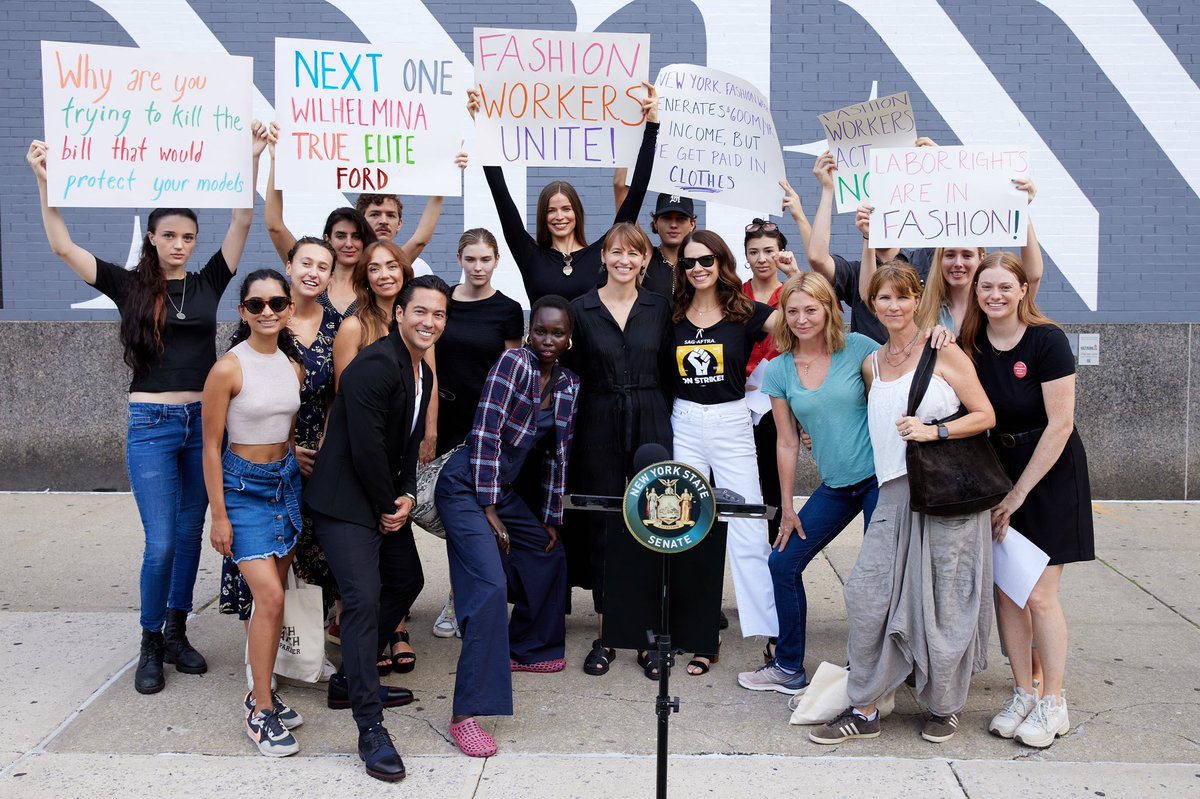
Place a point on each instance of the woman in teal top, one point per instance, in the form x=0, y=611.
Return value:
x=816, y=381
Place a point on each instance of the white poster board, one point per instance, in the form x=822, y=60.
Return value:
x=717, y=140
x=852, y=131
x=133, y=128
x=948, y=197
x=367, y=118
x=559, y=98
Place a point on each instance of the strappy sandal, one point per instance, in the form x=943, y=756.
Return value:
x=472, y=740
x=768, y=655
x=648, y=660
x=544, y=667
x=598, y=659
x=385, y=664
x=402, y=662
x=703, y=667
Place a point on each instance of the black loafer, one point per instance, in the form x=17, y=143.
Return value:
x=338, y=697
x=380, y=757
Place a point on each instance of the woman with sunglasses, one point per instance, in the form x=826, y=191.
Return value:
x=558, y=259
x=715, y=327
x=253, y=394
x=168, y=333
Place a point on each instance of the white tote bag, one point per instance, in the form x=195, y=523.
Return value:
x=826, y=697
x=301, y=653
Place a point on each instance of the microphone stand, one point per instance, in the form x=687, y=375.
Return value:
x=666, y=704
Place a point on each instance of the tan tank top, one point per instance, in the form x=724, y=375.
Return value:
x=264, y=410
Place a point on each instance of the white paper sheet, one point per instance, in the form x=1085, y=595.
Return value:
x=1017, y=565
x=758, y=402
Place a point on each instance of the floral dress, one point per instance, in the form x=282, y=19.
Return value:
x=316, y=395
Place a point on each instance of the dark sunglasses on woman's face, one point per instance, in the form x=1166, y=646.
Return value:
x=760, y=226
x=706, y=261
x=256, y=305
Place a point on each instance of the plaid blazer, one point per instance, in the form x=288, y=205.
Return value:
x=507, y=414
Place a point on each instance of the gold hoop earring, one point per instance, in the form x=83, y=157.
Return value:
x=570, y=342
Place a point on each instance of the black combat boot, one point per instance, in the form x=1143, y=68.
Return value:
x=149, y=677
x=178, y=650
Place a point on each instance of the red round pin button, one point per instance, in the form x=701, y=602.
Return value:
x=1020, y=369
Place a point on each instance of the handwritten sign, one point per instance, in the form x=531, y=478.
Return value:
x=948, y=197
x=717, y=141
x=553, y=98
x=132, y=128
x=367, y=118
x=852, y=132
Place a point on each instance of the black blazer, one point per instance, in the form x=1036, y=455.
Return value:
x=369, y=455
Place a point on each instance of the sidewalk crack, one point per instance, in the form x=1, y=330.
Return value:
x=1149, y=593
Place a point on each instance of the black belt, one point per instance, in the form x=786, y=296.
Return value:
x=1012, y=440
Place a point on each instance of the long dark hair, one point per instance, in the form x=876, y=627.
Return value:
x=287, y=341
x=144, y=313
x=738, y=307
x=542, y=226
x=347, y=214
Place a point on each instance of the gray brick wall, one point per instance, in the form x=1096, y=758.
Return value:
x=823, y=55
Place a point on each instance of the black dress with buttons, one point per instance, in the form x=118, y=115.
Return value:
x=622, y=406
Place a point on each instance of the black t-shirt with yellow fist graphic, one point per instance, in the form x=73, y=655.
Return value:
x=710, y=362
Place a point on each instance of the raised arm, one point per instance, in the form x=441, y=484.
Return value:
x=281, y=237
x=866, y=267
x=1031, y=253
x=793, y=206
x=82, y=262
x=631, y=206
x=421, y=237
x=620, y=190
x=239, y=225
x=817, y=251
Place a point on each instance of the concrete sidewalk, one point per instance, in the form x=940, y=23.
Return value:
x=74, y=726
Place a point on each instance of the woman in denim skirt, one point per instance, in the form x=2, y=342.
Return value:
x=253, y=394
x=168, y=334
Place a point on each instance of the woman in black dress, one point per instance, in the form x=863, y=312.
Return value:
x=559, y=260
x=621, y=331
x=1028, y=371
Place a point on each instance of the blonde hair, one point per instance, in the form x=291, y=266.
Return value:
x=930, y=309
x=1028, y=314
x=819, y=289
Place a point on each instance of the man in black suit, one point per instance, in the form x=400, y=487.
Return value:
x=362, y=489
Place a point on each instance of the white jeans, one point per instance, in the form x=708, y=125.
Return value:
x=719, y=439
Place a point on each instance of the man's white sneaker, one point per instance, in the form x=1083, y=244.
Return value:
x=1047, y=721
x=1019, y=706
x=446, y=625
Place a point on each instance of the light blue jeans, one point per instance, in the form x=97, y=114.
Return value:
x=163, y=455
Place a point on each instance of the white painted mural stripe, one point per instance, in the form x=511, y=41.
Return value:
x=977, y=108
x=1143, y=69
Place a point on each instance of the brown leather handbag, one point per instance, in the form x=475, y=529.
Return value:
x=953, y=476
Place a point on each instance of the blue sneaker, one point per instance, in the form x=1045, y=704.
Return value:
x=772, y=678
x=269, y=735
x=378, y=754
x=288, y=717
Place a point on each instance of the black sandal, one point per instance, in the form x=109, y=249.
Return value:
x=648, y=660
x=700, y=664
x=598, y=659
x=768, y=655
x=385, y=664
x=402, y=662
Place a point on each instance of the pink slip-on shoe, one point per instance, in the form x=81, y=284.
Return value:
x=545, y=667
x=472, y=740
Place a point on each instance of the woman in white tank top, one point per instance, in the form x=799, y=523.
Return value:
x=919, y=598
x=253, y=393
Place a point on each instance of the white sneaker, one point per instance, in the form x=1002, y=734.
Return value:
x=1019, y=706
x=446, y=625
x=1047, y=721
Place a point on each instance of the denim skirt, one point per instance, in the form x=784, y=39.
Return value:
x=263, y=504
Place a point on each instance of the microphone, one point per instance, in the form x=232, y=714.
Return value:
x=647, y=455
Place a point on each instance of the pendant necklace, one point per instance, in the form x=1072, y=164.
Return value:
x=182, y=299
x=906, y=350
x=567, y=268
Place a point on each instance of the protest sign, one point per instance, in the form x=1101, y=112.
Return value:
x=852, y=131
x=132, y=128
x=948, y=197
x=717, y=140
x=555, y=98
x=367, y=118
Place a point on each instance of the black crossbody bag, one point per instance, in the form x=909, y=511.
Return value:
x=950, y=477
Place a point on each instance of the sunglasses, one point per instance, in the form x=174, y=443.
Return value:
x=256, y=305
x=764, y=227
x=706, y=261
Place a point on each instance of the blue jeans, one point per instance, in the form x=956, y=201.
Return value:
x=163, y=455
x=826, y=514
